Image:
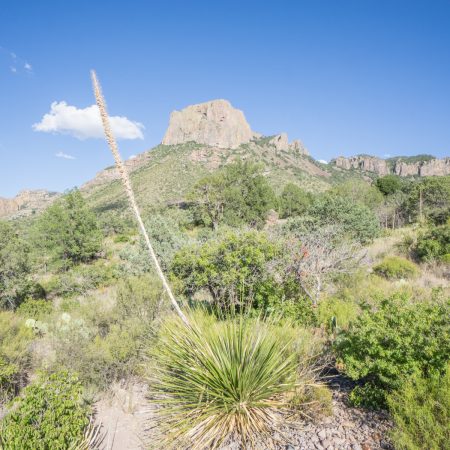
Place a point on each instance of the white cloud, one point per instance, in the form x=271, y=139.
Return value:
x=28, y=67
x=13, y=69
x=64, y=155
x=85, y=123
x=387, y=155
x=132, y=157
x=322, y=161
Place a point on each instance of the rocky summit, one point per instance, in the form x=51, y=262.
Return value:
x=26, y=202
x=215, y=123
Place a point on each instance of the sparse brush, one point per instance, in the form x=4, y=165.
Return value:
x=222, y=380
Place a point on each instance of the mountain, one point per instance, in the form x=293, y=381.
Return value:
x=26, y=203
x=200, y=139
x=404, y=166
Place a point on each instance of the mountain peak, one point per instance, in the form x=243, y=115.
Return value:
x=215, y=123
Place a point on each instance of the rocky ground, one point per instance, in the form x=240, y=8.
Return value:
x=126, y=414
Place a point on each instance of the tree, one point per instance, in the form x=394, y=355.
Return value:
x=68, y=231
x=389, y=184
x=233, y=269
x=294, y=201
x=15, y=267
x=356, y=220
x=237, y=194
x=429, y=199
x=359, y=191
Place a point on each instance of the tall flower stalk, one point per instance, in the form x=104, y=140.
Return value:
x=129, y=190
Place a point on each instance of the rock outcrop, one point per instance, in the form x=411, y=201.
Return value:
x=433, y=167
x=281, y=142
x=215, y=123
x=364, y=163
x=26, y=203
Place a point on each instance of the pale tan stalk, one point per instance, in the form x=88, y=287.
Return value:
x=129, y=190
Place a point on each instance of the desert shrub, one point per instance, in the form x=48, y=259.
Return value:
x=15, y=354
x=233, y=269
x=421, y=412
x=68, y=232
x=15, y=267
x=81, y=279
x=49, y=414
x=359, y=191
x=356, y=219
x=396, y=267
x=221, y=379
x=140, y=297
x=336, y=314
x=294, y=201
x=433, y=244
x=35, y=308
x=394, y=339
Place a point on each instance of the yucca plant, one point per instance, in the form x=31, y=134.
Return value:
x=221, y=380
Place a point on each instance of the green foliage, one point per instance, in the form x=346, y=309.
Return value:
x=35, y=308
x=336, y=314
x=68, y=232
x=48, y=415
x=237, y=194
x=356, y=220
x=15, y=355
x=433, y=244
x=367, y=396
x=294, y=201
x=221, y=379
x=104, y=344
x=231, y=268
x=421, y=412
x=358, y=191
x=389, y=184
x=79, y=280
x=15, y=267
x=431, y=195
x=397, y=338
x=396, y=267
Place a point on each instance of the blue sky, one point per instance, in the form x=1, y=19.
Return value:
x=346, y=77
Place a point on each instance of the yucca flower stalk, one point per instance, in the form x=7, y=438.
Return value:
x=129, y=190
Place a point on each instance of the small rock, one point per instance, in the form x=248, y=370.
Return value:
x=322, y=435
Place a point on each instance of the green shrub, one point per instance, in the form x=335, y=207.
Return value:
x=434, y=244
x=336, y=314
x=15, y=355
x=15, y=267
x=219, y=379
x=35, y=309
x=421, y=413
x=49, y=414
x=356, y=220
x=294, y=201
x=232, y=269
x=397, y=338
x=396, y=267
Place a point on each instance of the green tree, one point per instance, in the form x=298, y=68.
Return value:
x=359, y=191
x=389, y=184
x=237, y=194
x=429, y=199
x=15, y=267
x=233, y=269
x=294, y=201
x=356, y=220
x=68, y=231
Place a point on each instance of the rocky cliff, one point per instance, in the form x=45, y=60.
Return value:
x=398, y=166
x=364, y=163
x=26, y=202
x=215, y=123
